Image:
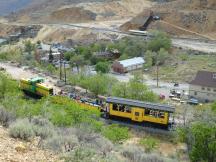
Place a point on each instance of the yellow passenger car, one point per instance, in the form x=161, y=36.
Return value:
x=139, y=111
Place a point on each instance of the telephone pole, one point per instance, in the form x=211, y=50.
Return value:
x=60, y=66
x=157, y=75
x=65, y=75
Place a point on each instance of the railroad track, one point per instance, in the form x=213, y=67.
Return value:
x=139, y=127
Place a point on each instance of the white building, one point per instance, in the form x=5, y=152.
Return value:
x=128, y=65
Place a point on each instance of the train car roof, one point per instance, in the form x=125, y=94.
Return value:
x=141, y=104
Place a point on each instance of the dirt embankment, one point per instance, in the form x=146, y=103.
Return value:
x=14, y=150
x=193, y=16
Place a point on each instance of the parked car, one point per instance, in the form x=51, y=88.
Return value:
x=193, y=101
x=176, y=84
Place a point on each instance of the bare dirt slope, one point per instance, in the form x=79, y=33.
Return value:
x=79, y=11
x=14, y=150
x=192, y=15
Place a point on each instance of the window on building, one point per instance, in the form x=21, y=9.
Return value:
x=214, y=90
x=209, y=89
x=195, y=93
x=203, y=88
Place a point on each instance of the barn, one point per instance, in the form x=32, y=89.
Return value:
x=128, y=65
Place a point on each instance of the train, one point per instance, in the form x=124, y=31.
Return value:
x=36, y=87
x=132, y=110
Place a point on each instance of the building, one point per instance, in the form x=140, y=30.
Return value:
x=203, y=87
x=128, y=65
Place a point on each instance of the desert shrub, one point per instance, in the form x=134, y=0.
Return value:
x=100, y=144
x=43, y=131
x=6, y=117
x=115, y=133
x=38, y=120
x=22, y=129
x=149, y=143
x=60, y=143
x=137, y=154
x=81, y=154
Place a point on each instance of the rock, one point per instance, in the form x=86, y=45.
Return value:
x=21, y=148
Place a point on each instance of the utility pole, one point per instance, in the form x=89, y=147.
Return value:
x=65, y=75
x=60, y=66
x=157, y=75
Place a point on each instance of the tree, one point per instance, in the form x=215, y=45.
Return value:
x=148, y=59
x=162, y=56
x=200, y=136
x=120, y=90
x=68, y=55
x=29, y=47
x=160, y=40
x=77, y=60
x=102, y=67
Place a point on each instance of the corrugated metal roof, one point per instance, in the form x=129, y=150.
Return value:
x=132, y=62
x=141, y=104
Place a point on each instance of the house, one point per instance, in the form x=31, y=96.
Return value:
x=203, y=87
x=128, y=65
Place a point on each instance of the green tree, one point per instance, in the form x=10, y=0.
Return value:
x=102, y=67
x=68, y=55
x=149, y=59
x=200, y=136
x=160, y=40
x=29, y=47
x=77, y=60
x=120, y=90
x=162, y=56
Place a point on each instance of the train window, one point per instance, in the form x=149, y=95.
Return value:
x=121, y=108
x=115, y=107
x=147, y=111
x=127, y=109
x=154, y=113
x=136, y=113
x=161, y=115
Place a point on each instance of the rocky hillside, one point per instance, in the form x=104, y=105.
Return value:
x=180, y=17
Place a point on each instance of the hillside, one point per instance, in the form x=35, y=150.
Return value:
x=180, y=17
x=67, y=11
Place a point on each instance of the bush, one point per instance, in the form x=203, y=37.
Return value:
x=5, y=117
x=102, y=67
x=81, y=154
x=22, y=129
x=115, y=133
x=63, y=141
x=38, y=120
x=136, y=154
x=149, y=143
x=43, y=131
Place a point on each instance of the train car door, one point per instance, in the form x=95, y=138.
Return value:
x=137, y=114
